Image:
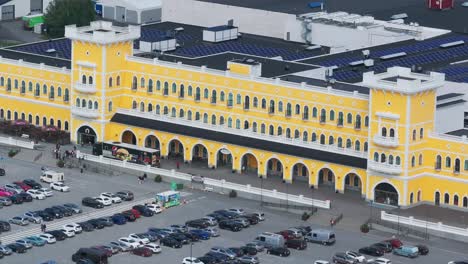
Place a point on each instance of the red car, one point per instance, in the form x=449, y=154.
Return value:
x=396, y=243
x=287, y=234
x=23, y=185
x=135, y=213
x=142, y=251
x=4, y=192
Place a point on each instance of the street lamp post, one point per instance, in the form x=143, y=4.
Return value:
x=261, y=190
x=370, y=216
x=398, y=226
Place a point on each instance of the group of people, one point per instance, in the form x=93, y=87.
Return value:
x=43, y=228
x=67, y=154
x=141, y=179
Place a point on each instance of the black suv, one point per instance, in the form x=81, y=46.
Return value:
x=4, y=226
x=59, y=235
x=197, y=223
x=125, y=195
x=44, y=215
x=55, y=212
x=91, y=202
x=87, y=227
x=143, y=210
x=65, y=211
x=25, y=196
x=231, y=225
x=32, y=183
x=16, y=199
x=97, y=223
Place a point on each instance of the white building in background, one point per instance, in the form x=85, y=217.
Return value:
x=319, y=28
x=135, y=12
x=12, y=9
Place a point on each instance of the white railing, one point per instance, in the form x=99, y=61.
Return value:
x=386, y=141
x=384, y=167
x=462, y=139
x=85, y=112
x=85, y=88
x=411, y=221
x=18, y=143
x=247, y=133
x=299, y=199
x=40, y=66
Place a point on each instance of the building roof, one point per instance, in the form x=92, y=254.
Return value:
x=240, y=140
x=321, y=83
x=4, y=1
x=459, y=132
x=461, y=101
x=34, y=58
x=448, y=96
x=416, y=10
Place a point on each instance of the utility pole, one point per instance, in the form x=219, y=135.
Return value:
x=398, y=231
x=370, y=216
x=261, y=190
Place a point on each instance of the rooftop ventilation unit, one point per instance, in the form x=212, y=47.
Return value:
x=313, y=47
x=220, y=33
x=452, y=44
x=369, y=62
x=51, y=51
x=179, y=29
x=356, y=63
x=399, y=16
x=393, y=56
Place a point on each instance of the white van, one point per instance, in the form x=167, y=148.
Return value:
x=52, y=176
x=268, y=239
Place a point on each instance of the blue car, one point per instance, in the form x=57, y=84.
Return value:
x=119, y=219
x=201, y=234
x=35, y=241
x=158, y=232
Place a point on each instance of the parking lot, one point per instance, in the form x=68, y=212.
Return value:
x=198, y=205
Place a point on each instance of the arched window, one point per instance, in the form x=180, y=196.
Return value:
x=357, y=123
x=313, y=137
x=332, y=115
x=246, y=124
x=51, y=122
x=392, y=132
x=297, y=134
x=398, y=160
x=357, y=145
x=66, y=95
x=323, y=115
x=134, y=105
x=90, y=80
x=331, y=140
x=44, y=121
x=142, y=107
x=322, y=139
x=421, y=133
x=134, y=83
x=288, y=133
x=384, y=131
x=446, y=198
x=52, y=92
x=314, y=112
x=77, y=103
x=16, y=84
x=66, y=126
x=420, y=160
x=158, y=85
x=263, y=103
x=340, y=119
x=413, y=161
x=455, y=200
x=166, y=112
x=280, y=131
x=288, y=109
x=158, y=109
x=271, y=130
x=189, y=90
x=96, y=105
x=59, y=91
x=305, y=136
x=150, y=86
x=465, y=202
x=30, y=86
x=305, y=114
x=438, y=165
x=221, y=96
x=23, y=87
x=414, y=134
x=37, y=120
x=37, y=92
x=239, y=99
x=221, y=121
x=83, y=79
x=189, y=115
x=174, y=113
x=376, y=156
x=390, y=159
x=206, y=93
x=456, y=168
x=448, y=162
x=117, y=82
x=298, y=109
x=142, y=82
x=272, y=107
x=213, y=97
x=2, y=81
x=181, y=113
x=166, y=89
x=262, y=129
x=174, y=88
x=254, y=127
x=280, y=106
x=213, y=119
x=44, y=89
x=340, y=142
x=229, y=122
x=110, y=82
x=349, y=143
x=349, y=118
x=109, y=106
x=411, y=198
x=255, y=102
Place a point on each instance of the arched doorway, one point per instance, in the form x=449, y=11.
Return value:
x=224, y=158
x=274, y=168
x=86, y=135
x=385, y=193
x=176, y=149
x=352, y=183
x=249, y=164
x=199, y=154
x=326, y=178
x=129, y=138
x=300, y=173
x=152, y=142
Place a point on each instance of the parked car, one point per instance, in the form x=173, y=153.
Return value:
x=238, y=211
x=279, y=251
x=256, y=245
x=385, y=246
x=181, y=228
x=372, y=251
x=64, y=210
x=6, y=251
x=106, y=221
x=143, y=210
x=16, y=199
x=22, y=185
x=125, y=195
x=105, y=201
x=123, y=247
x=252, y=218
x=423, y=250
x=46, y=217
x=217, y=216
x=119, y=219
x=249, y=260
x=210, y=220
x=73, y=207
x=197, y=223
x=155, y=248
x=24, y=243
x=13, y=188
x=343, y=258
x=259, y=215
x=230, y=225
x=35, y=194
x=287, y=234
x=4, y=226
x=225, y=251
x=92, y=255
x=406, y=251
x=2, y=172
x=5, y=193
x=33, y=184
x=36, y=241
x=202, y=234
x=58, y=234
x=50, y=239
x=299, y=244
x=19, y=220
x=130, y=242
x=220, y=258
x=17, y=248
x=25, y=196
x=304, y=229
x=238, y=251
x=55, y=212
x=251, y=251
x=59, y=186
x=191, y=260
x=5, y=201
x=73, y=227
x=359, y=258
x=91, y=202
x=322, y=236
x=135, y=213
x=395, y=242
x=33, y=217
x=139, y=238
x=208, y=260
x=180, y=237
x=46, y=191
x=226, y=213
x=129, y=216
x=87, y=227
x=379, y=261
x=155, y=208
x=243, y=221
x=142, y=251
x=171, y=242
x=114, y=198
x=97, y=224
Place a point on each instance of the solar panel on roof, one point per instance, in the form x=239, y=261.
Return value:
x=393, y=56
x=452, y=44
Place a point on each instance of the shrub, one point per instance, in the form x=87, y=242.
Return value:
x=12, y=153
x=365, y=228
x=157, y=178
x=232, y=194
x=60, y=163
x=305, y=216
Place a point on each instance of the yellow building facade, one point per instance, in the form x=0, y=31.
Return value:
x=379, y=144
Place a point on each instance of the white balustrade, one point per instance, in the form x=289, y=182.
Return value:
x=384, y=167
x=386, y=141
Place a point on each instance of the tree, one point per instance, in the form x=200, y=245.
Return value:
x=61, y=13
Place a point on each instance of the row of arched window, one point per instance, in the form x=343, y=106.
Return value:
x=89, y=80
x=36, y=89
x=271, y=106
x=448, y=164
x=413, y=160
x=37, y=120
x=387, y=132
x=86, y=104
x=252, y=126
x=415, y=134
x=390, y=159
x=450, y=200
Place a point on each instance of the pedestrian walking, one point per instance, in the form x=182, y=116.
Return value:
x=42, y=228
x=178, y=165
x=140, y=180
x=45, y=228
